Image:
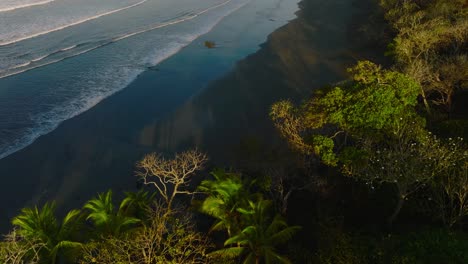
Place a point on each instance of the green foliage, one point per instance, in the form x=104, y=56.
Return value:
x=225, y=194
x=450, y=186
x=252, y=230
x=435, y=246
x=137, y=204
x=42, y=225
x=369, y=128
x=344, y=249
x=378, y=107
x=323, y=147
x=420, y=247
x=375, y=103
x=260, y=235
x=107, y=220
x=166, y=238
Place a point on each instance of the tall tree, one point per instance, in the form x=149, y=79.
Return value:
x=430, y=45
x=369, y=128
x=450, y=187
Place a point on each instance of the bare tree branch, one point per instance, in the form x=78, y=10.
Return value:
x=170, y=176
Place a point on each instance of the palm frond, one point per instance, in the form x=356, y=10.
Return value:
x=138, y=199
x=273, y=257
x=240, y=239
x=219, y=225
x=63, y=245
x=71, y=216
x=277, y=224
x=230, y=252
x=100, y=208
x=250, y=259
x=284, y=235
x=33, y=222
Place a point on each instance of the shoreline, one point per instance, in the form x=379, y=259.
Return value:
x=29, y=139
x=84, y=154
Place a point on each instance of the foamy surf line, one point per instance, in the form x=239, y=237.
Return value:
x=107, y=43
x=12, y=8
x=52, y=124
x=71, y=24
x=69, y=48
x=173, y=22
x=48, y=63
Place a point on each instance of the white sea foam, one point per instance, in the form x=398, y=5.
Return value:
x=40, y=58
x=20, y=65
x=172, y=22
x=11, y=72
x=9, y=42
x=69, y=48
x=23, y=5
x=44, y=64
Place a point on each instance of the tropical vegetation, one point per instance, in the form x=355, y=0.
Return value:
x=376, y=172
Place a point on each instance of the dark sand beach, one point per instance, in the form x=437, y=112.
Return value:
x=212, y=99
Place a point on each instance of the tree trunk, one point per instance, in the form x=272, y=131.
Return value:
x=284, y=206
x=426, y=103
x=396, y=211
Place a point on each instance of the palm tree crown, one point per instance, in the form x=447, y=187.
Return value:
x=225, y=195
x=260, y=236
x=42, y=225
x=106, y=219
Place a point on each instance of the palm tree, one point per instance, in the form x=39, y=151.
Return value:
x=137, y=204
x=260, y=236
x=42, y=225
x=225, y=195
x=105, y=218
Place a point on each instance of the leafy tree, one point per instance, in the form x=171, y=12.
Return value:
x=42, y=226
x=369, y=128
x=375, y=106
x=450, y=187
x=106, y=219
x=430, y=45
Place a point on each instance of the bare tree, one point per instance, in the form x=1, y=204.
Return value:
x=170, y=176
x=15, y=249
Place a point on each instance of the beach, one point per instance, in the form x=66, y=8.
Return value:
x=214, y=99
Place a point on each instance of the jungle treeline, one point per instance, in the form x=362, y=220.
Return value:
x=375, y=171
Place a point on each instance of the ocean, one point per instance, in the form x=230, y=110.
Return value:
x=59, y=58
